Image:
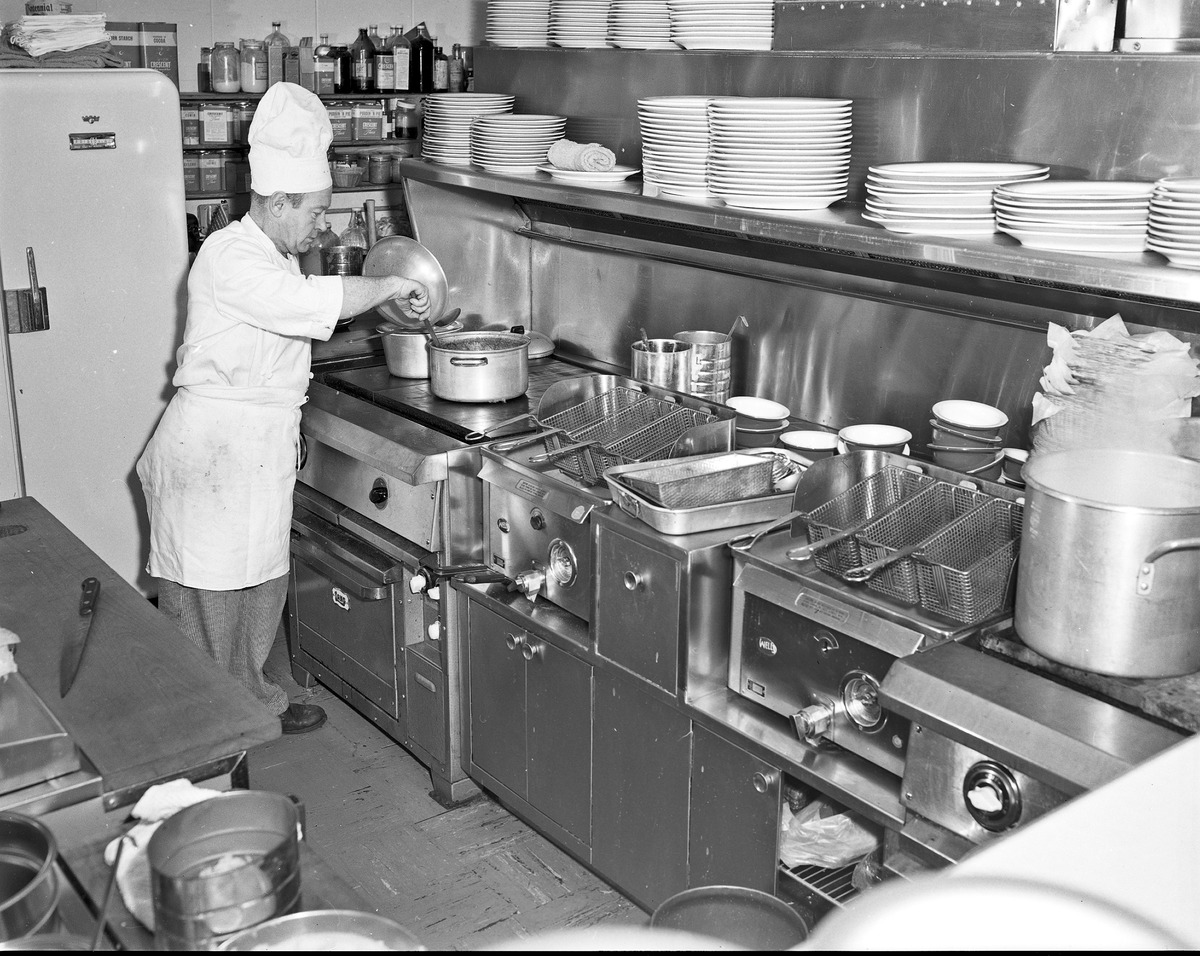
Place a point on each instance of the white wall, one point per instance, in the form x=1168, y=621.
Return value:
x=202, y=22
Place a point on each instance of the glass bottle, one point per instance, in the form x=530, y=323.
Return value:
x=204, y=71
x=323, y=48
x=420, y=64
x=405, y=120
x=355, y=234
x=441, y=69
x=324, y=66
x=343, y=80
x=385, y=69
x=226, y=68
x=254, y=67
x=458, y=70
x=401, y=55
x=362, y=53
x=277, y=46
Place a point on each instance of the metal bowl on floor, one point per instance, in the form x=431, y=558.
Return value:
x=326, y=931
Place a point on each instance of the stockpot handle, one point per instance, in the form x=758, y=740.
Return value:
x=950, y=429
x=1145, y=576
x=465, y=361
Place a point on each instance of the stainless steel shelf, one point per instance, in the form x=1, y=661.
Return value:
x=843, y=230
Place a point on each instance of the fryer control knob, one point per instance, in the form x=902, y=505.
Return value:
x=992, y=796
x=435, y=631
x=378, y=495
x=813, y=720
x=530, y=582
x=537, y=520
x=417, y=583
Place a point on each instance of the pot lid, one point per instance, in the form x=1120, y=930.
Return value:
x=391, y=328
x=540, y=345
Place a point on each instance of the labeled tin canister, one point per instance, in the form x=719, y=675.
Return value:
x=243, y=116
x=189, y=118
x=212, y=171
x=191, y=172
x=216, y=124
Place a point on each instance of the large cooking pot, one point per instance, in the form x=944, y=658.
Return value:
x=405, y=350
x=1109, y=573
x=479, y=366
x=29, y=887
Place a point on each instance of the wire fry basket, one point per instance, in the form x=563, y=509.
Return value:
x=965, y=571
x=710, y=481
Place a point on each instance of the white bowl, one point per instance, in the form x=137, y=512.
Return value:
x=886, y=437
x=970, y=415
x=754, y=411
x=822, y=443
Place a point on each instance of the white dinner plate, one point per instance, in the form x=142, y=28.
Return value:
x=958, y=171
x=1075, y=190
x=1077, y=242
x=722, y=43
x=590, y=177
x=934, y=227
x=749, y=201
x=780, y=103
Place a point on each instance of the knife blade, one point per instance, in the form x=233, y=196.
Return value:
x=76, y=636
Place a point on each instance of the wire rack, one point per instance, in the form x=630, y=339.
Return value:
x=833, y=886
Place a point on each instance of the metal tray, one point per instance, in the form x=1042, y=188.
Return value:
x=675, y=521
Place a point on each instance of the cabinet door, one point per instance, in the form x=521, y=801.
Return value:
x=735, y=806
x=640, y=773
x=497, y=683
x=559, y=737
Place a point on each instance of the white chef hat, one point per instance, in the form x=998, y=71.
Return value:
x=289, y=137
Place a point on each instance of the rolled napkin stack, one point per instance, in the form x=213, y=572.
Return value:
x=585, y=157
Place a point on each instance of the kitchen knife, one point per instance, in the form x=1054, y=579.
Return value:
x=76, y=636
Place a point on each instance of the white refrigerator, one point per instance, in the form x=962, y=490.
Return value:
x=92, y=202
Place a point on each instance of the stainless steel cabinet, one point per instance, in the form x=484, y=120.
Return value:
x=642, y=749
x=735, y=807
x=530, y=726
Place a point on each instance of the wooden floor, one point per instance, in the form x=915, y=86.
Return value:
x=463, y=878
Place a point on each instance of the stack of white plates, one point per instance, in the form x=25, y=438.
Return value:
x=778, y=152
x=1097, y=218
x=640, y=25
x=446, y=129
x=722, y=24
x=941, y=199
x=675, y=146
x=516, y=143
x=1174, y=228
x=517, y=22
x=578, y=24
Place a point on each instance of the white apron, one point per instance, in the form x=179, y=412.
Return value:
x=218, y=476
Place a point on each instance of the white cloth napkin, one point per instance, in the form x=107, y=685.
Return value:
x=586, y=157
x=59, y=32
x=133, y=872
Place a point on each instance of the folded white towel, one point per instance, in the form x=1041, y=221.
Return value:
x=587, y=157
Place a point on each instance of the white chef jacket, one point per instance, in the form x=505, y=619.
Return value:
x=219, y=470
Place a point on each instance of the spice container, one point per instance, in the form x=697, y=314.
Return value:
x=254, y=67
x=226, y=68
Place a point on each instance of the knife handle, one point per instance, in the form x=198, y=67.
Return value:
x=91, y=591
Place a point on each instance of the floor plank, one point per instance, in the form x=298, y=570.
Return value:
x=460, y=878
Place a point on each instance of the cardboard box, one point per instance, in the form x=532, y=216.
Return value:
x=160, y=49
x=308, y=64
x=42, y=8
x=341, y=118
x=126, y=41
x=291, y=66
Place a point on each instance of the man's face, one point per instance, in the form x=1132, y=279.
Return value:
x=300, y=225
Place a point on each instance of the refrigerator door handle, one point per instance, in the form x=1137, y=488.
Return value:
x=26, y=309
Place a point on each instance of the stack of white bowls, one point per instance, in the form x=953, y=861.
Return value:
x=640, y=25
x=722, y=24
x=759, y=422
x=941, y=199
x=969, y=437
x=779, y=152
x=578, y=24
x=514, y=143
x=1095, y=218
x=446, y=130
x=1174, y=226
x=517, y=22
x=675, y=146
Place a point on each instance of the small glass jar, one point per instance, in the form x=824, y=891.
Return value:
x=226, y=68
x=204, y=71
x=254, y=67
x=379, y=169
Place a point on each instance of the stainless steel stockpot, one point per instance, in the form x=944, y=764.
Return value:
x=479, y=366
x=1109, y=572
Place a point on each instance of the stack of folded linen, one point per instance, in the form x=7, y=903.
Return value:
x=59, y=33
x=586, y=157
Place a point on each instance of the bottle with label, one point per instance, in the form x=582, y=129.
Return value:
x=401, y=54
x=420, y=64
x=362, y=59
x=323, y=48
x=324, y=66
x=458, y=70
x=204, y=71
x=254, y=67
x=441, y=69
x=343, y=78
x=277, y=46
x=226, y=68
x=385, y=69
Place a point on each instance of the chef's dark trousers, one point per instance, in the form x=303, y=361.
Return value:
x=235, y=628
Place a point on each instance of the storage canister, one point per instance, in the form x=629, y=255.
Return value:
x=1109, y=573
x=191, y=172
x=216, y=124
x=232, y=174
x=212, y=171
x=243, y=116
x=189, y=120
x=379, y=169
x=226, y=68
x=254, y=67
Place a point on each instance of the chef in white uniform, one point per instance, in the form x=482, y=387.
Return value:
x=219, y=470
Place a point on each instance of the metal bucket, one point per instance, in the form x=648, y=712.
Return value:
x=735, y=914
x=1109, y=575
x=663, y=362
x=29, y=886
x=222, y=866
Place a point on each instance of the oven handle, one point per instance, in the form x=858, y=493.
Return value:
x=339, y=572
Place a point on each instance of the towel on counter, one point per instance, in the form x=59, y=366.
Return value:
x=59, y=32
x=95, y=56
x=587, y=157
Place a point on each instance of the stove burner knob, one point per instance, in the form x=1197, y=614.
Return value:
x=992, y=796
x=813, y=721
x=378, y=495
x=537, y=520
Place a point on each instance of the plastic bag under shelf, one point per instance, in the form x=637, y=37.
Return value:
x=834, y=840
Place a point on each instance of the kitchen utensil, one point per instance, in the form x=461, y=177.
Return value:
x=479, y=366
x=744, y=917
x=1110, y=559
x=75, y=638
x=325, y=930
x=402, y=256
x=30, y=890
x=102, y=916
x=627, y=442
x=711, y=480
x=431, y=332
x=663, y=362
x=570, y=405
x=645, y=339
x=740, y=320
x=369, y=220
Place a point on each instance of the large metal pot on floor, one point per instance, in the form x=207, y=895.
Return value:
x=479, y=366
x=1109, y=573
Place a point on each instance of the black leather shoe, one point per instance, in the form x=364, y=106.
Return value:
x=301, y=718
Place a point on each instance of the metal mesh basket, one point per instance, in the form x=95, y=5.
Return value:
x=596, y=411
x=862, y=502
x=965, y=571
x=710, y=481
x=649, y=443
x=917, y=520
